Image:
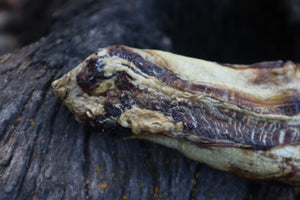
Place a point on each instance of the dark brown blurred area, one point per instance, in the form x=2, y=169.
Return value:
x=222, y=30
x=24, y=21
x=234, y=31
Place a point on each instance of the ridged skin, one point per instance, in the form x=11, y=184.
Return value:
x=244, y=119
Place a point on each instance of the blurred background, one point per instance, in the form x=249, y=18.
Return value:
x=228, y=31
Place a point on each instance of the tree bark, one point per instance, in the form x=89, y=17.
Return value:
x=46, y=154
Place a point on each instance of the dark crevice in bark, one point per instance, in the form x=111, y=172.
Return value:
x=53, y=117
x=253, y=189
x=31, y=146
x=87, y=163
x=29, y=159
x=34, y=145
x=9, y=70
x=14, y=118
x=195, y=181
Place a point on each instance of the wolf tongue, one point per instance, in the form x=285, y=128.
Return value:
x=236, y=118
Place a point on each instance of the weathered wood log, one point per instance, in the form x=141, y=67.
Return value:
x=46, y=154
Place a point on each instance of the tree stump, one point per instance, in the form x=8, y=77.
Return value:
x=46, y=154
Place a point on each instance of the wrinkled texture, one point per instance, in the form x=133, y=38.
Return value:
x=238, y=118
